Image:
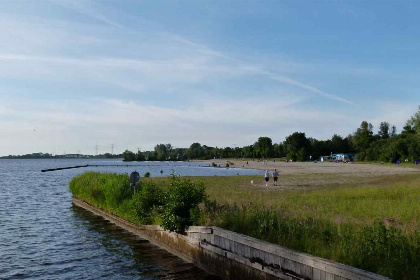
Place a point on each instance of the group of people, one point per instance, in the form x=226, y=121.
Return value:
x=267, y=177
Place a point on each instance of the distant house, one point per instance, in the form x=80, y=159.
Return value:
x=73, y=155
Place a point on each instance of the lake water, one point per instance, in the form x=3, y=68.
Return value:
x=42, y=236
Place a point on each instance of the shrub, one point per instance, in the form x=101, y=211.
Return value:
x=147, y=174
x=145, y=201
x=181, y=204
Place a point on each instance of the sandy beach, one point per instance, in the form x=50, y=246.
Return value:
x=362, y=170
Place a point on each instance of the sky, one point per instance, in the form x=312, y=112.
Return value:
x=76, y=76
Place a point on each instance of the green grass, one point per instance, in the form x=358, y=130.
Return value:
x=402, y=164
x=393, y=199
x=367, y=222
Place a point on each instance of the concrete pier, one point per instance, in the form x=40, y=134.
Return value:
x=235, y=256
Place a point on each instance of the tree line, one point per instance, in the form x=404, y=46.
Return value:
x=386, y=145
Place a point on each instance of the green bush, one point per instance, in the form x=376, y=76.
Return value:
x=147, y=174
x=181, y=204
x=145, y=202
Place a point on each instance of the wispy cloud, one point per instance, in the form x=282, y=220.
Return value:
x=133, y=123
x=85, y=9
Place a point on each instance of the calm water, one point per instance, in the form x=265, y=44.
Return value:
x=42, y=236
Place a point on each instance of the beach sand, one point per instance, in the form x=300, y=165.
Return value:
x=356, y=169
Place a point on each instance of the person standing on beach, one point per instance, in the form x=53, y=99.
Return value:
x=275, y=176
x=266, y=177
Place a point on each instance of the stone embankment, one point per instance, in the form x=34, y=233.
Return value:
x=236, y=256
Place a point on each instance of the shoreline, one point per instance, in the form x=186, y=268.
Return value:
x=371, y=169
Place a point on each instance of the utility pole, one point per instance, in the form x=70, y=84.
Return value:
x=112, y=149
x=96, y=149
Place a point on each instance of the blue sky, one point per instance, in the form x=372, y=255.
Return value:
x=76, y=74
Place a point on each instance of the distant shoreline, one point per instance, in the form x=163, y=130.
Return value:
x=59, y=157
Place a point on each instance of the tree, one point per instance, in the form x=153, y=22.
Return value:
x=265, y=146
x=195, y=151
x=297, y=146
x=414, y=122
x=383, y=130
x=393, y=131
x=339, y=145
x=161, y=152
x=363, y=138
x=140, y=156
x=320, y=148
x=408, y=129
x=129, y=156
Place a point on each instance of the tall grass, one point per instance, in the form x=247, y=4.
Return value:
x=174, y=209
x=104, y=190
x=382, y=249
x=372, y=224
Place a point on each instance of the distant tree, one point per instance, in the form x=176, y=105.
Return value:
x=350, y=143
x=414, y=122
x=140, y=156
x=338, y=144
x=383, y=130
x=408, y=129
x=162, y=151
x=393, y=131
x=195, y=151
x=297, y=146
x=129, y=156
x=363, y=138
x=265, y=146
x=249, y=151
x=278, y=150
x=150, y=155
x=320, y=148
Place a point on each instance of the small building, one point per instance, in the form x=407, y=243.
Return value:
x=344, y=157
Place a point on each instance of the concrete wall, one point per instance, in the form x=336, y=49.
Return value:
x=236, y=256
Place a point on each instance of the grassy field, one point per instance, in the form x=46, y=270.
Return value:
x=372, y=223
x=393, y=199
x=369, y=222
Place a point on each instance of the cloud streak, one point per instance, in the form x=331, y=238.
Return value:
x=132, y=124
x=84, y=9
